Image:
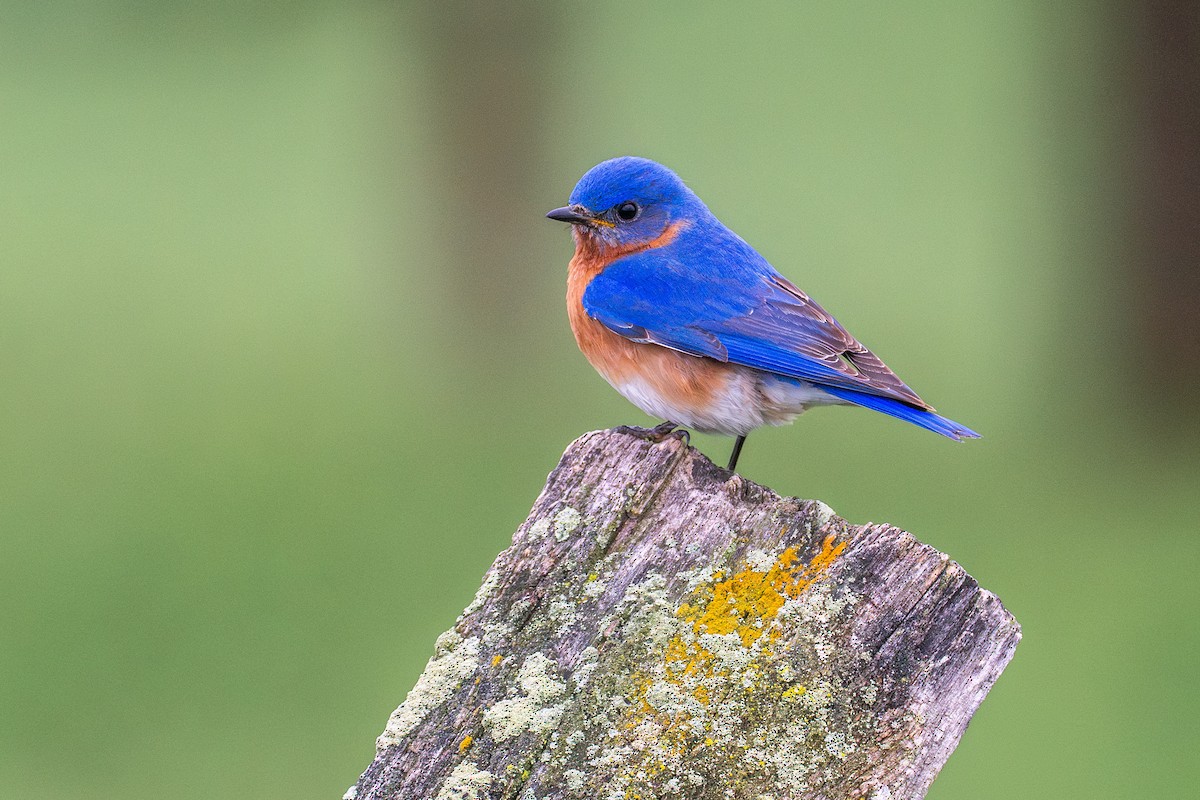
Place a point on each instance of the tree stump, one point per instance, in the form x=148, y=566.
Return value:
x=663, y=628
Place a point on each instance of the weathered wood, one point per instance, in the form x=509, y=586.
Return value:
x=662, y=628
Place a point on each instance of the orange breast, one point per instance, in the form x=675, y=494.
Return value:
x=685, y=382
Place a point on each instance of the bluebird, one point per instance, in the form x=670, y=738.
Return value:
x=694, y=327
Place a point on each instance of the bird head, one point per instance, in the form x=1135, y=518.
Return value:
x=627, y=202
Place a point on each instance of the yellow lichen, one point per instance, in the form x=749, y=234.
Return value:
x=728, y=621
x=794, y=692
x=464, y=744
x=746, y=603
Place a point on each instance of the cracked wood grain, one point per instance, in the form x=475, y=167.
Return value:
x=662, y=628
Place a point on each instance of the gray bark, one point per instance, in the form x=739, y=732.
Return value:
x=662, y=628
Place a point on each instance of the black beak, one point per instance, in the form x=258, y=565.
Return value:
x=571, y=214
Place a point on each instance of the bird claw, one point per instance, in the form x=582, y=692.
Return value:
x=657, y=434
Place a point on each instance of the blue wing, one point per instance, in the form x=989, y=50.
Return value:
x=710, y=294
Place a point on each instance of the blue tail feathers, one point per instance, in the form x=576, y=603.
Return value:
x=894, y=408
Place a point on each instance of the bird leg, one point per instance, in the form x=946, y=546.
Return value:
x=737, y=451
x=656, y=434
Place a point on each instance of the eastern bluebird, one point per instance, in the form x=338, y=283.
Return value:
x=693, y=326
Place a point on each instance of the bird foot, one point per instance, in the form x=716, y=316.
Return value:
x=657, y=434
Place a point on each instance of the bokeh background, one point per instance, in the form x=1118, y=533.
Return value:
x=284, y=359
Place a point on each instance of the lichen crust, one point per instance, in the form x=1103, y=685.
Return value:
x=741, y=683
x=465, y=782
x=454, y=660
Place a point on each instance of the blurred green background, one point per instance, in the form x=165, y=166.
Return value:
x=284, y=359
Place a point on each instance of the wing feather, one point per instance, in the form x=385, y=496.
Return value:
x=724, y=301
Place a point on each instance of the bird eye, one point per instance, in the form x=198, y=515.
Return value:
x=627, y=211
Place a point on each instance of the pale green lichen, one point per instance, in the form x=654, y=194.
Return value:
x=822, y=515
x=565, y=522
x=454, y=660
x=519, y=609
x=490, y=581
x=584, y=667
x=535, y=708
x=466, y=782
x=575, y=779
x=562, y=524
x=561, y=614
x=759, y=560
x=595, y=586
x=813, y=614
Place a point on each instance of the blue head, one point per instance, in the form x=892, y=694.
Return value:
x=627, y=201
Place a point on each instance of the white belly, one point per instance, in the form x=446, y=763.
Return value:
x=749, y=400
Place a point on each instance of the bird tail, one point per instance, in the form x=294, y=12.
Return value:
x=894, y=408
